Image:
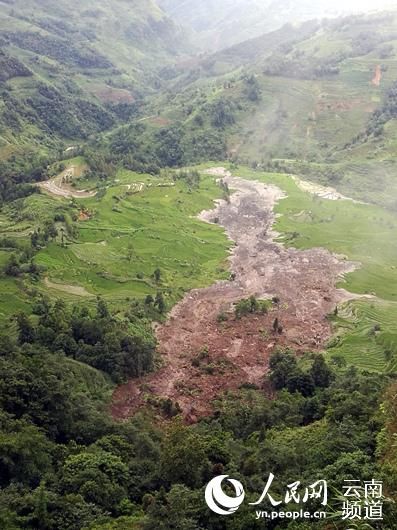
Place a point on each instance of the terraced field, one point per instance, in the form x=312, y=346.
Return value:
x=366, y=335
x=135, y=225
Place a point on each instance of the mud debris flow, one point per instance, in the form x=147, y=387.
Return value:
x=238, y=350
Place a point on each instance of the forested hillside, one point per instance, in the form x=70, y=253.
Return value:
x=73, y=69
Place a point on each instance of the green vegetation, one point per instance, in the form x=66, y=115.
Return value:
x=112, y=252
x=121, y=348
x=64, y=77
x=366, y=335
x=226, y=23
x=322, y=106
x=134, y=227
x=251, y=306
x=66, y=466
x=144, y=148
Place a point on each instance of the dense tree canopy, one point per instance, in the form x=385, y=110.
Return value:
x=65, y=465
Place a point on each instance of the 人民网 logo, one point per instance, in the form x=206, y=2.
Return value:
x=218, y=501
x=362, y=500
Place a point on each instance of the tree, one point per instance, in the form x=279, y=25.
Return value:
x=320, y=372
x=242, y=308
x=159, y=302
x=253, y=304
x=71, y=512
x=40, y=507
x=35, y=239
x=102, y=309
x=169, y=149
x=25, y=455
x=176, y=509
x=12, y=267
x=282, y=365
x=184, y=456
x=50, y=231
x=222, y=113
x=26, y=332
x=298, y=381
x=99, y=476
x=351, y=466
x=149, y=300
x=9, y=519
x=157, y=275
x=252, y=89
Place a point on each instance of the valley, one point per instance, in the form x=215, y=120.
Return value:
x=198, y=258
x=235, y=352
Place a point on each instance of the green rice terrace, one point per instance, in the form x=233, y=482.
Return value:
x=104, y=245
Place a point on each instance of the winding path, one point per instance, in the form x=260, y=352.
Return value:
x=59, y=186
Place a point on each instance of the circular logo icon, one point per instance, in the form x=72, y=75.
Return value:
x=218, y=501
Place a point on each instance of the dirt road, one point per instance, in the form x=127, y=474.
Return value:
x=238, y=350
x=61, y=186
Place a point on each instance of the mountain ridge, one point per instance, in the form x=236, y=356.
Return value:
x=88, y=63
x=221, y=24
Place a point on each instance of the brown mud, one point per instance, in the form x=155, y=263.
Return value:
x=203, y=357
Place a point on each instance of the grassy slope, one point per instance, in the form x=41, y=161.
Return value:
x=313, y=120
x=305, y=121
x=226, y=22
x=159, y=226
x=145, y=36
